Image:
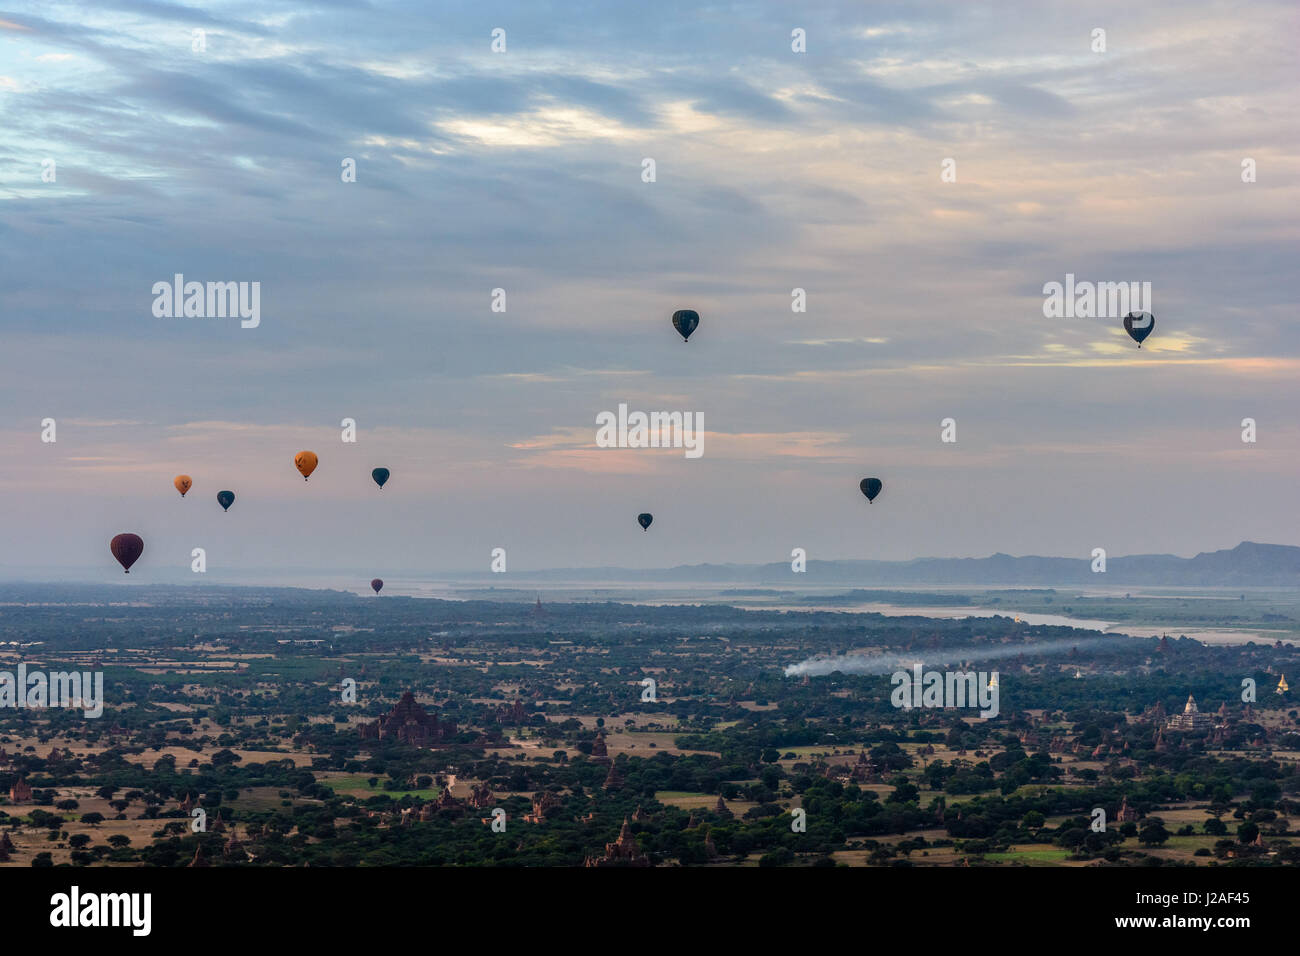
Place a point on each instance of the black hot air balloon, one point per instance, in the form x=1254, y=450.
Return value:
x=127, y=548
x=1139, y=325
x=377, y=584
x=871, y=487
x=225, y=499
x=380, y=475
x=685, y=321
x=644, y=520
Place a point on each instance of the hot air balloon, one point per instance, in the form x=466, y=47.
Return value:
x=182, y=483
x=380, y=475
x=685, y=322
x=306, y=462
x=870, y=487
x=127, y=548
x=377, y=584
x=1139, y=325
x=644, y=520
x=225, y=499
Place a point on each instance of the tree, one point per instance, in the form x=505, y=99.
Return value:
x=1072, y=838
x=1265, y=792
x=1153, y=833
x=1247, y=832
x=903, y=793
x=781, y=856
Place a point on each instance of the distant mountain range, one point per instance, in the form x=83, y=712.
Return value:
x=1247, y=565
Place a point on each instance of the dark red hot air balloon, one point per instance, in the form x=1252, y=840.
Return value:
x=127, y=548
x=377, y=584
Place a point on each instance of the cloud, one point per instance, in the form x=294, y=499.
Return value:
x=775, y=171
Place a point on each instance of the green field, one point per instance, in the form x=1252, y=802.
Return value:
x=1043, y=857
x=357, y=784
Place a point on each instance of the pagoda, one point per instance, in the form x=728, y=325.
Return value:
x=409, y=723
x=1191, y=718
x=481, y=796
x=1126, y=813
x=543, y=803
x=622, y=852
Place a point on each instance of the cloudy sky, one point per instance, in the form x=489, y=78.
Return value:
x=522, y=170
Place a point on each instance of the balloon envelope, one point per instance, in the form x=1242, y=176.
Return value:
x=182, y=483
x=1139, y=325
x=380, y=475
x=644, y=520
x=871, y=487
x=306, y=462
x=377, y=583
x=225, y=499
x=685, y=322
x=127, y=548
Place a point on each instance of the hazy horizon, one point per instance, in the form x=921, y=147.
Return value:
x=407, y=578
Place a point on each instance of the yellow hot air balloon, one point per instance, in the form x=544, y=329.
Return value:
x=306, y=462
x=182, y=483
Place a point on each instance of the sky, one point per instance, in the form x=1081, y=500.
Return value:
x=523, y=170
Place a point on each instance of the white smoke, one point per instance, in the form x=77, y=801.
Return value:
x=819, y=666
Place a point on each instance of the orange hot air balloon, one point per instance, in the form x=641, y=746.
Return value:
x=306, y=462
x=182, y=483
